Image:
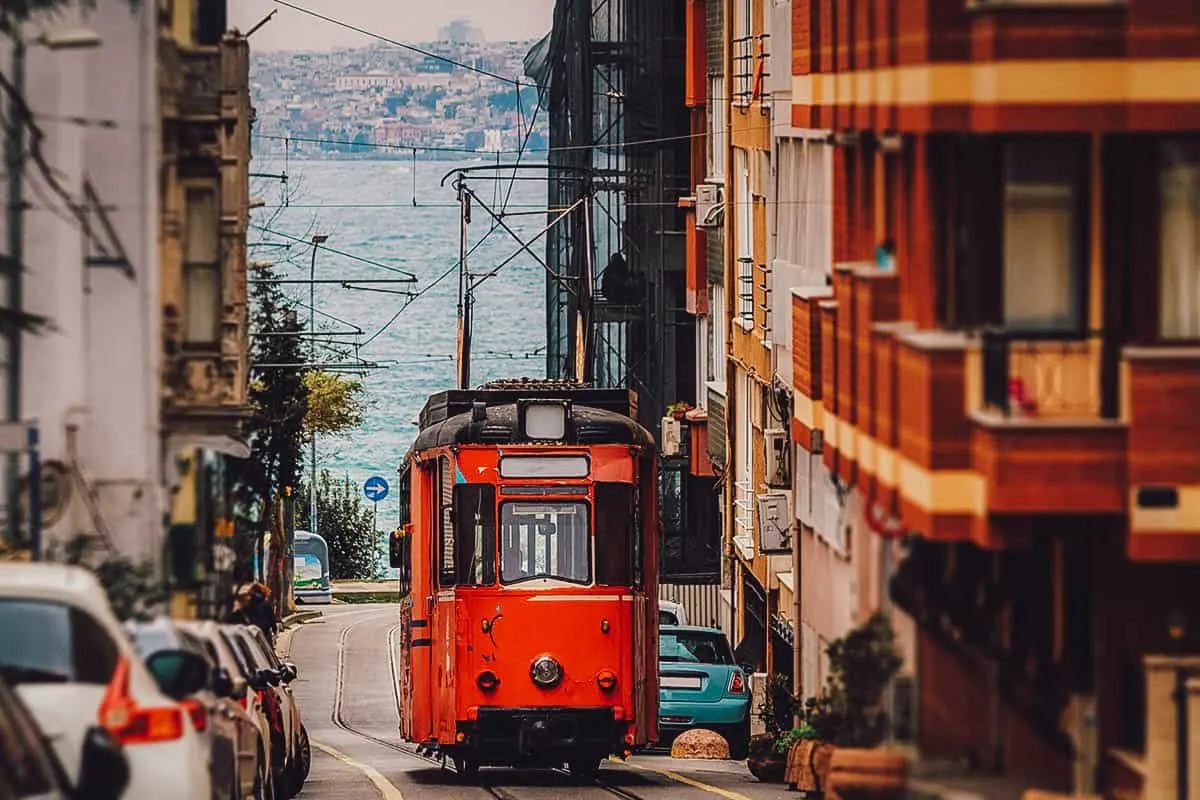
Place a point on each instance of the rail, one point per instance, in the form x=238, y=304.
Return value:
x=750, y=69
x=1056, y=375
x=746, y=291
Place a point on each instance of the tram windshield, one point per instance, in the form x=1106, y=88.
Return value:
x=548, y=540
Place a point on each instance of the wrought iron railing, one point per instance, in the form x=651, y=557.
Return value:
x=1059, y=375
x=746, y=291
x=750, y=68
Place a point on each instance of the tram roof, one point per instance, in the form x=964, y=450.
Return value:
x=444, y=405
x=500, y=425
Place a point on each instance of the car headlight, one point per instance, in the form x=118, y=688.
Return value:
x=546, y=672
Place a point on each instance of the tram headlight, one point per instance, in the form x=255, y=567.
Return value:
x=546, y=672
x=606, y=680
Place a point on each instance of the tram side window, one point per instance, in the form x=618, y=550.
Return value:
x=401, y=547
x=475, y=534
x=446, y=570
x=404, y=496
x=615, y=525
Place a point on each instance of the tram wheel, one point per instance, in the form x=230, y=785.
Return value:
x=467, y=768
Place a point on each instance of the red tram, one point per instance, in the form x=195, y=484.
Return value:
x=528, y=562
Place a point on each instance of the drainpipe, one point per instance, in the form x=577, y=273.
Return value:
x=14, y=152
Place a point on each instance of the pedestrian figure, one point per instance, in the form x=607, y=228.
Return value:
x=255, y=610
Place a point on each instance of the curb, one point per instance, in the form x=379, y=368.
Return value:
x=291, y=620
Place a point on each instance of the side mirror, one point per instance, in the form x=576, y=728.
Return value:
x=748, y=669
x=104, y=769
x=289, y=672
x=269, y=677
x=222, y=682
x=258, y=681
x=178, y=673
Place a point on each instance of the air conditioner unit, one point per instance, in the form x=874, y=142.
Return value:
x=779, y=466
x=671, y=435
x=710, y=199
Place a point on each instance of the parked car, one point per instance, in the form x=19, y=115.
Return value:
x=671, y=613
x=30, y=768
x=290, y=755
x=72, y=664
x=186, y=673
x=700, y=686
x=250, y=700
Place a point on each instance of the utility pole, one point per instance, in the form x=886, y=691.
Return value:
x=464, y=290
x=317, y=240
x=14, y=158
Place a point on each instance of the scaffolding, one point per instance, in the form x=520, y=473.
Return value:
x=611, y=75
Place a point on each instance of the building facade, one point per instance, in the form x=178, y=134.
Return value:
x=1002, y=377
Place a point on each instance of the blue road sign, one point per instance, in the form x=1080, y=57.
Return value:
x=376, y=488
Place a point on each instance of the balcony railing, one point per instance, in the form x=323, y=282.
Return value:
x=1044, y=375
x=750, y=69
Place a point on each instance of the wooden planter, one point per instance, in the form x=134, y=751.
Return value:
x=808, y=766
x=860, y=774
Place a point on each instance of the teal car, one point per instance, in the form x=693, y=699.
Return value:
x=700, y=686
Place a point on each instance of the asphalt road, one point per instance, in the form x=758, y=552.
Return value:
x=347, y=699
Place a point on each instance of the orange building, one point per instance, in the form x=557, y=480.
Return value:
x=1006, y=367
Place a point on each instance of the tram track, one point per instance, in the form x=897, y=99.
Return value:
x=339, y=721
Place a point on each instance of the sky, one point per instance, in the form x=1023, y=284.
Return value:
x=402, y=20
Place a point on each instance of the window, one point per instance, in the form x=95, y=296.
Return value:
x=1179, y=256
x=694, y=647
x=402, y=560
x=718, y=320
x=803, y=228
x=615, y=532
x=1042, y=246
x=25, y=766
x=716, y=128
x=404, y=496
x=545, y=540
x=447, y=572
x=475, y=534
x=46, y=642
x=201, y=266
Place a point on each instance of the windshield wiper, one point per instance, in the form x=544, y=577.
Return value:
x=17, y=674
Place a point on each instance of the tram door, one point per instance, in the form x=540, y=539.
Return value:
x=442, y=604
x=420, y=642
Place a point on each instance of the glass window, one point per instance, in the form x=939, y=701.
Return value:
x=475, y=534
x=1179, y=250
x=545, y=540
x=1042, y=242
x=202, y=266
x=615, y=531
x=695, y=647
x=47, y=642
x=447, y=571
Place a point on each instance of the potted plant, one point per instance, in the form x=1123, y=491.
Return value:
x=767, y=761
x=850, y=714
x=678, y=410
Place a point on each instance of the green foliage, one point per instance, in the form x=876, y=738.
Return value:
x=134, y=588
x=335, y=403
x=779, y=705
x=803, y=732
x=849, y=712
x=347, y=525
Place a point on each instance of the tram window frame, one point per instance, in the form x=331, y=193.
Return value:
x=401, y=558
x=404, y=496
x=447, y=572
x=583, y=506
x=475, y=534
x=615, y=525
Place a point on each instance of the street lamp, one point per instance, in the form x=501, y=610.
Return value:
x=318, y=239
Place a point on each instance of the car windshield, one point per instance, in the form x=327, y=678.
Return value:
x=545, y=540
x=695, y=647
x=48, y=642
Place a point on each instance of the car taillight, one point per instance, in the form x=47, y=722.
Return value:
x=198, y=714
x=737, y=684
x=128, y=724
x=244, y=701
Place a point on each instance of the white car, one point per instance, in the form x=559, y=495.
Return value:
x=671, y=613
x=66, y=653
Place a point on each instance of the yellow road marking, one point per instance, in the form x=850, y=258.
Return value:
x=387, y=790
x=717, y=790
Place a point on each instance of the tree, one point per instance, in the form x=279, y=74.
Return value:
x=347, y=526
x=335, y=403
x=279, y=402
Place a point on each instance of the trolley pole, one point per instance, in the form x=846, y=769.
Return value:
x=464, y=289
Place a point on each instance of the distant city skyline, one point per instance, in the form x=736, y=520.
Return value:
x=403, y=20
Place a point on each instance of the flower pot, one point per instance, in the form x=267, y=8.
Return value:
x=768, y=768
x=867, y=774
x=808, y=766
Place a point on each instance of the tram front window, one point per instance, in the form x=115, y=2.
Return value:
x=545, y=540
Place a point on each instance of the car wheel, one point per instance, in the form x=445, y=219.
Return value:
x=305, y=755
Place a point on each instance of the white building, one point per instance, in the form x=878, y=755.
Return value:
x=90, y=380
